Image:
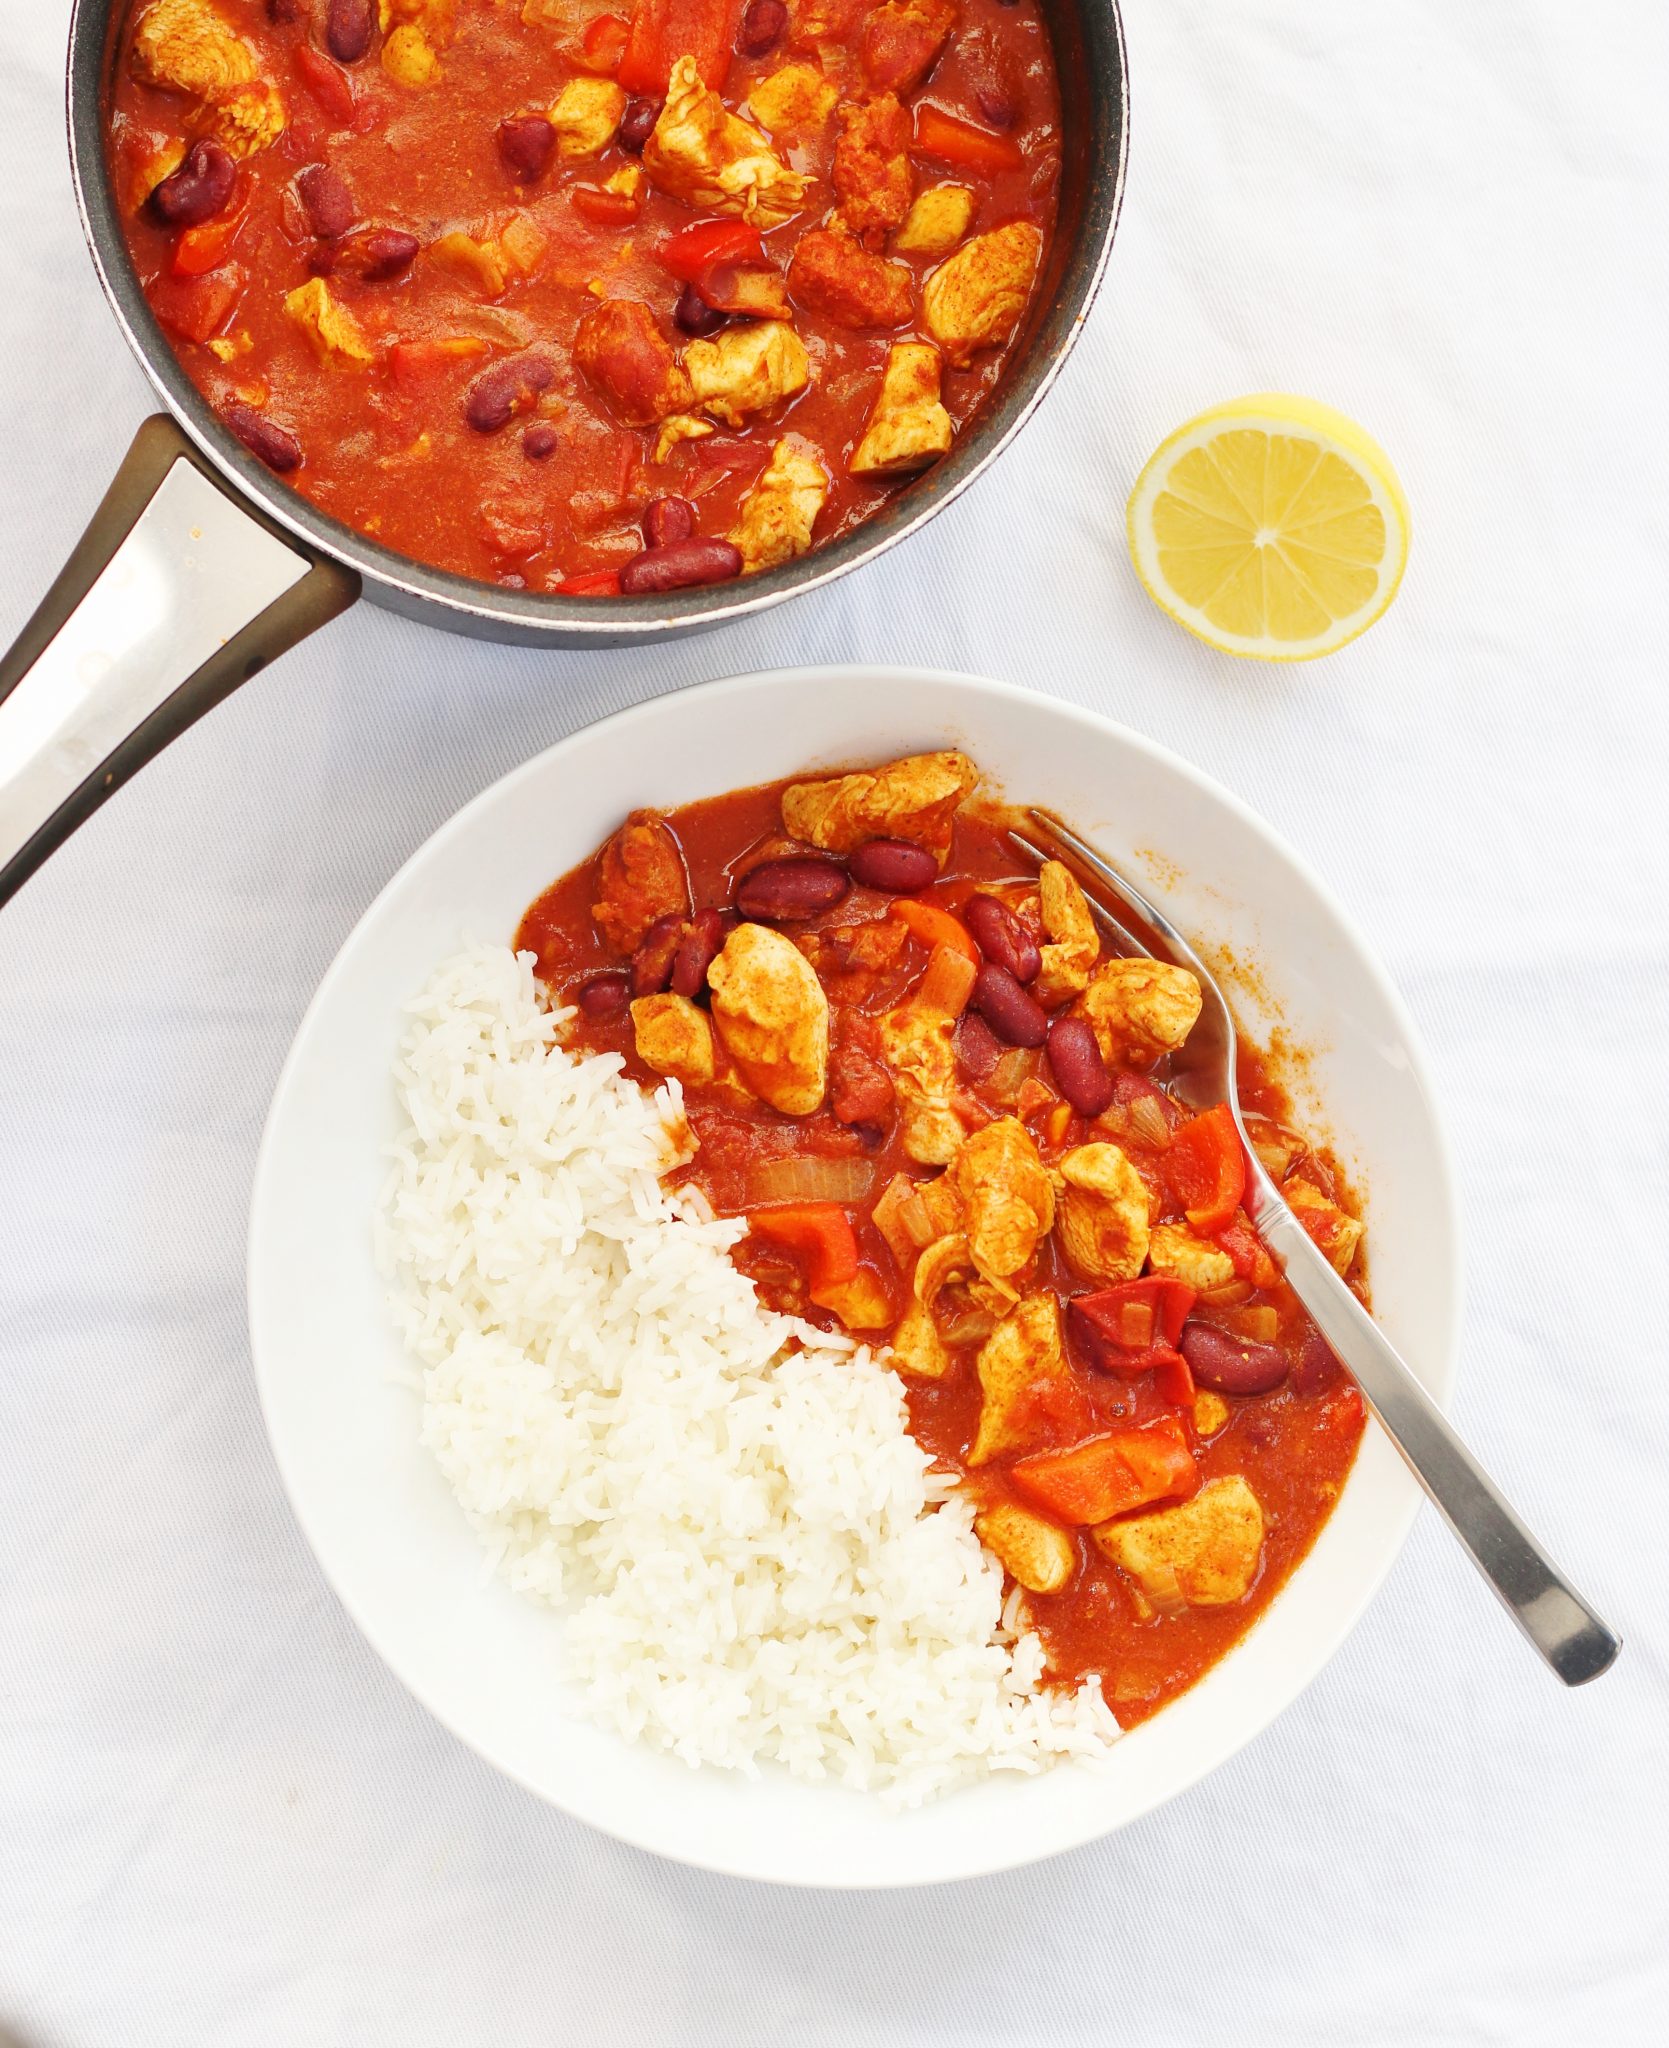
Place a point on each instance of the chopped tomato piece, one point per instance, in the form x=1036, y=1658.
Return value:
x=942, y=135
x=1110, y=1474
x=665, y=30
x=934, y=927
x=604, y=42
x=693, y=252
x=1249, y=1252
x=1205, y=1169
x=332, y=88
x=195, y=308
x=415, y=364
x=607, y=209
x=206, y=246
x=820, y=1231
x=592, y=583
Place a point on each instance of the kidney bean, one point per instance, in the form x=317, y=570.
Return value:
x=1229, y=1364
x=976, y=1046
x=526, y=144
x=693, y=314
x=697, y=950
x=283, y=12
x=637, y=124
x=330, y=205
x=539, y=441
x=780, y=890
x=382, y=254
x=1001, y=937
x=508, y=387
x=680, y=565
x=1076, y=1063
x=1317, y=1366
x=320, y=259
x=763, y=27
x=276, y=446
x=605, y=995
x=348, y=29
x=1015, y=1017
x=652, y=962
x=897, y=867
x=666, y=520
x=199, y=189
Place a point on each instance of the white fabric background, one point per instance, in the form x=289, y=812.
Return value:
x=222, y=1822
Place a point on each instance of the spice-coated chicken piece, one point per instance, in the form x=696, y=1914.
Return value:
x=619, y=346
x=191, y=47
x=1007, y=1198
x=1105, y=1213
x=918, y=1044
x=902, y=40
x=1033, y=1552
x=1336, y=1231
x=585, y=115
x=908, y=427
x=772, y=1017
x=1139, y=1008
x=916, y=798
x=413, y=32
x=795, y=101
x=916, y=1346
x=1071, y=942
x=871, y=174
x=833, y=275
x=747, y=369
x=674, y=1038
x=1024, y=1379
x=1203, y=1552
x=1175, y=1253
x=246, y=119
x=781, y=507
x=975, y=298
x=707, y=156
x=640, y=877
x=331, y=328
x=937, y=221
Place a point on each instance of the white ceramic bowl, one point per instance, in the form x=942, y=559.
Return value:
x=389, y=1535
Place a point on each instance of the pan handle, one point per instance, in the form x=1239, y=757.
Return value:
x=177, y=592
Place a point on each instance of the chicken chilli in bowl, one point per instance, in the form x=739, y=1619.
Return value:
x=595, y=303
x=939, y=1102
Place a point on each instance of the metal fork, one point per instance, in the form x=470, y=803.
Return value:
x=1564, y=1628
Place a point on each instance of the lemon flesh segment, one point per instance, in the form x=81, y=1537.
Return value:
x=1271, y=527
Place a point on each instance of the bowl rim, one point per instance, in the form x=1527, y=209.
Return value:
x=1443, y=1363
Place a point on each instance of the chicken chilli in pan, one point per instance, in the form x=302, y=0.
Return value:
x=940, y=1102
x=604, y=303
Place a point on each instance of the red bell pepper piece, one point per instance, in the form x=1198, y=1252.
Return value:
x=205, y=247
x=942, y=135
x=1252, y=1260
x=1173, y=1378
x=1110, y=1474
x=1205, y=1169
x=592, y=583
x=820, y=1231
x=331, y=87
x=695, y=251
x=195, y=308
x=665, y=30
x=607, y=209
x=605, y=40
x=1122, y=1329
x=934, y=927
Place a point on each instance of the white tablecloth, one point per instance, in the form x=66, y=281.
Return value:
x=221, y=1821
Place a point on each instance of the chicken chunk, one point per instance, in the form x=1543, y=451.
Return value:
x=1203, y=1551
x=772, y=1017
x=675, y=1038
x=331, y=328
x=832, y=275
x=640, y=877
x=919, y=1046
x=861, y=1302
x=917, y=1347
x=707, y=156
x=1008, y=1200
x=902, y=40
x=936, y=222
x=907, y=427
x=1021, y=1366
x=1336, y=1231
x=622, y=350
x=1105, y=1219
x=781, y=507
x=409, y=57
x=746, y=369
x=795, y=101
x=1211, y=1411
x=1175, y=1253
x=871, y=174
x=247, y=119
x=1139, y=1009
x=585, y=115
x=191, y=47
x=975, y=298
x=1033, y=1552
x=1071, y=943
x=678, y=427
x=916, y=798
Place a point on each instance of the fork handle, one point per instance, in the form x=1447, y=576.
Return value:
x=1564, y=1628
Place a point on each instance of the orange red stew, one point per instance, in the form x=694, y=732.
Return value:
x=941, y=1104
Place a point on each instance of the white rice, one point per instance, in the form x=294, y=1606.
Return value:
x=752, y=1555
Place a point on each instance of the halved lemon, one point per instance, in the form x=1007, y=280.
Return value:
x=1271, y=526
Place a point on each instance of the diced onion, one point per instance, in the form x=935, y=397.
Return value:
x=1164, y=1588
x=1149, y=1125
x=1258, y=1323
x=1010, y=1075
x=807, y=1177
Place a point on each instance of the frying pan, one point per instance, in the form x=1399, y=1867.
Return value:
x=199, y=566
